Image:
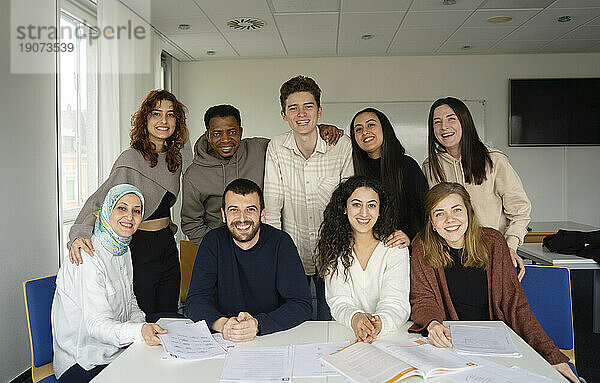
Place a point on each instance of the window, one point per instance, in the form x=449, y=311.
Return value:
x=166, y=63
x=78, y=116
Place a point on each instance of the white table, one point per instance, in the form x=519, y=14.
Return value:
x=539, y=254
x=142, y=363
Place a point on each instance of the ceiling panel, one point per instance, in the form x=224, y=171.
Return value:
x=549, y=32
x=295, y=6
x=169, y=25
x=481, y=34
x=311, y=44
x=353, y=26
x=197, y=44
x=578, y=16
x=570, y=45
x=304, y=23
x=436, y=5
x=412, y=48
x=435, y=19
x=423, y=35
x=233, y=8
x=575, y=4
x=519, y=16
x=516, y=4
x=256, y=43
x=596, y=21
x=506, y=46
x=174, y=8
x=374, y=5
x=586, y=32
x=458, y=47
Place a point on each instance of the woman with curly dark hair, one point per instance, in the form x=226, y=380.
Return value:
x=153, y=165
x=366, y=283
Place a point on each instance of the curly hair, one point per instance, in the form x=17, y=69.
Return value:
x=335, y=234
x=139, y=133
x=299, y=84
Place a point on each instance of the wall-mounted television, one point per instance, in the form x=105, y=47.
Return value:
x=554, y=112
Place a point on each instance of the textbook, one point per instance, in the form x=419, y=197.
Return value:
x=391, y=362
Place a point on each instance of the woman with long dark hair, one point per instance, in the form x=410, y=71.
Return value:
x=377, y=152
x=366, y=283
x=456, y=154
x=462, y=271
x=153, y=165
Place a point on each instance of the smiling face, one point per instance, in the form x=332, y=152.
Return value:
x=301, y=112
x=161, y=123
x=224, y=135
x=242, y=215
x=368, y=133
x=450, y=220
x=126, y=215
x=362, y=209
x=447, y=128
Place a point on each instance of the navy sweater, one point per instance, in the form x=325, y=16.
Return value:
x=266, y=281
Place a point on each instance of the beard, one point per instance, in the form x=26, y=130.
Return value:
x=243, y=237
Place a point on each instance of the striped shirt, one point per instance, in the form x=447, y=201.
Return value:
x=298, y=189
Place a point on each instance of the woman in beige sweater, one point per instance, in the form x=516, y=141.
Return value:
x=456, y=154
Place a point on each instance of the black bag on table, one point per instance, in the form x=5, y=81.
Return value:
x=581, y=243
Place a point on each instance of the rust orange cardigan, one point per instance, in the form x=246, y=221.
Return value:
x=430, y=298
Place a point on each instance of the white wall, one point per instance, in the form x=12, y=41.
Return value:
x=28, y=200
x=563, y=183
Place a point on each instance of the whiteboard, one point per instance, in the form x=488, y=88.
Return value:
x=409, y=119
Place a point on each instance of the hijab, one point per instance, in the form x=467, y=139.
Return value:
x=102, y=230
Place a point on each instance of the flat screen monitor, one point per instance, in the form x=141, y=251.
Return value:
x=554, y=112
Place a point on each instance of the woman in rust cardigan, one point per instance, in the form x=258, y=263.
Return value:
x=462, y=271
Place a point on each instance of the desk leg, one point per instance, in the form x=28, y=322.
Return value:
x=596, y=306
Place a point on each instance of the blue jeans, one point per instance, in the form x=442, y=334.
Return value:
x=76, y=374
x=323, y=312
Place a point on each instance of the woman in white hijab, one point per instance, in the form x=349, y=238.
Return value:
x=94, y=312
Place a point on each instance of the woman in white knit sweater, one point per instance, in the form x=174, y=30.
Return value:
x=366, y=284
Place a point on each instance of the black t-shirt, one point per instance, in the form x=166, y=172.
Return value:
x=414, y=188
x=164, y=208
x=468, y=289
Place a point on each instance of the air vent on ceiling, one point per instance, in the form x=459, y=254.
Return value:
x=245, y=23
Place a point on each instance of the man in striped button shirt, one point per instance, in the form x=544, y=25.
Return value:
x=301, y=172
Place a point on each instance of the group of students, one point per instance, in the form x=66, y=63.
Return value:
x=347, y=234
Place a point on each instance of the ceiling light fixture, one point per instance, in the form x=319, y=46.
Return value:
x=211, y=53
x=564, y=19
x=245, y=23
x=184, y=27
x=499, y=19
x=367, y=37
x=448, y=2
x=466, y=47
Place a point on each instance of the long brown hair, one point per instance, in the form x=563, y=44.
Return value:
x=435, y=247
x=140, y=140
x=474, y=155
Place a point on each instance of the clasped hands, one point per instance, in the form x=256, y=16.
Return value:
x=242, y=328
x=366, y=326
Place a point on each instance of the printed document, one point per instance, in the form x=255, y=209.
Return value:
x=185, y=340
x=479, y=340
x=307, y=361
x=258, y=364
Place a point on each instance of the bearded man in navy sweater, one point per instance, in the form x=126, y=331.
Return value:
x=247, y=279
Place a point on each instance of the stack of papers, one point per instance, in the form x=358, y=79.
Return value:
x=365, y=363
x=185, y=340
x=258, y=364
x=307, y=359
x=485, y=341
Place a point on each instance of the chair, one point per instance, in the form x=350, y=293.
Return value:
x=38, y=294
x=548, y=290
x=187, y=257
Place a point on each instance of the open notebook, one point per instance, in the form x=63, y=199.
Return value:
x=391, y=362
